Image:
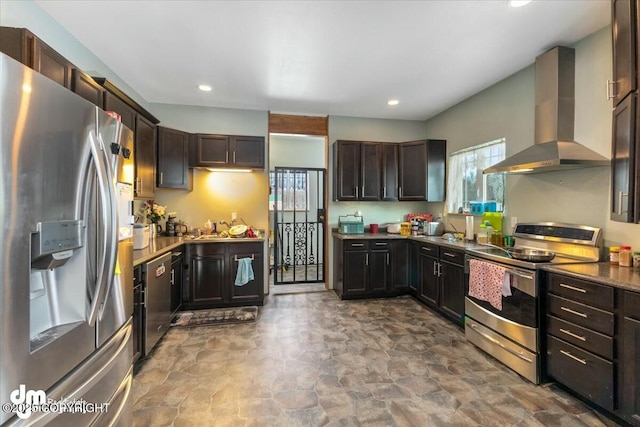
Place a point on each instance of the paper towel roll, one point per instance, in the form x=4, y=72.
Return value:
x=469, y=228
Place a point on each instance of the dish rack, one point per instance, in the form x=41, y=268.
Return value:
x=350, y=224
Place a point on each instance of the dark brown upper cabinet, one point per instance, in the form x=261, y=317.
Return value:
x=23, y=46
x=422, y=170
x=127, y=113
x=145, y=158
x=227, y=151
x=83, y=85
x=389, y=171
x=358, y=170
x=623, y=161
x=173, y=160
x=625, y=39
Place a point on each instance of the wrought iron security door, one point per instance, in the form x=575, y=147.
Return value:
x=297, y=201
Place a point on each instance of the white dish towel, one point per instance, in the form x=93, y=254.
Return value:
x=245, y=272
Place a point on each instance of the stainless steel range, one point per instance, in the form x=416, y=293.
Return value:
x=503, y=305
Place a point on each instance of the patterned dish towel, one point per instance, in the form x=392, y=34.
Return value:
x=487, y=281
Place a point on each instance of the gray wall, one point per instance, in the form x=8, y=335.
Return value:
x=507, y=110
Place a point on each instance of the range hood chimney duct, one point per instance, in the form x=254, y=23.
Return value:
x=554, y=148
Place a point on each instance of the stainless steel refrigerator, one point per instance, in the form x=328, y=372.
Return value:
x=66, y=193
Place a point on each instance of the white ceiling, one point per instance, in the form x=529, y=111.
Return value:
x=323, y=57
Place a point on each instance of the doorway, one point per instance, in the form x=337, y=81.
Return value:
x=297, y=202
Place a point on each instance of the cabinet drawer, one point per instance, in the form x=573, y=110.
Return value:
x=379, y=244
x=213, y=248
x=245, y=248
x=597, y=343
x=583, y=372
x=356, y=245
x=429, y=249
x=581, y=314
x=600, y=296
x=632, y=305
x=451, y=255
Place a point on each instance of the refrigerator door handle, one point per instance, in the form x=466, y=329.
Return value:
x=107, y=258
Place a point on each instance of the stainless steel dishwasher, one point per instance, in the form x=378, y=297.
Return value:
x=157, y=300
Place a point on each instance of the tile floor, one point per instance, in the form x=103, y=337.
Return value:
x=313, y=360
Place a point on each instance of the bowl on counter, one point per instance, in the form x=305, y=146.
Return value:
x=393, y=228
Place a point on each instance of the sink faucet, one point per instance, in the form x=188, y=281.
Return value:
x=229, y=225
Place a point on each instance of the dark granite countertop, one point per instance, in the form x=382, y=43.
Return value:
x=162, y=245
x=437, y=240
x=601, y=272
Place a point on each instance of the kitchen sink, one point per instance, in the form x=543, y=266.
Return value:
x=211, y=237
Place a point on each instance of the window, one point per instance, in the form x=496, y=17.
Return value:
x=468, y=188
x=291, y=192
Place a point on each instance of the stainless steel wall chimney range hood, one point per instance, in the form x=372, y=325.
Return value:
x=554, y=147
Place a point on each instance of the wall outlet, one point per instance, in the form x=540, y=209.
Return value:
x=514, y=221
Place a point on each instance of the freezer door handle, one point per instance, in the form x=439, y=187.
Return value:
x=107, y=253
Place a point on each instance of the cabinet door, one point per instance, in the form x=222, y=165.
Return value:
x=630, y=358
x=356, y=272
x=622, y=162
x=247, y=151
x=50, y=63
x=83, y=85
x=208, y=279
x=213, y=150
x=414, y=249
x=176, y=285
x=389, y=171
x=145, y=158
x=173, y=159
x=452, y=292
x=624, y=48
x=370, y=173
x=379, y=267
x=436, y=170
x=412, y=176
x=127, y=114
x=399, y=273
x=347, y=166
x=428, y=281
x=253, y=291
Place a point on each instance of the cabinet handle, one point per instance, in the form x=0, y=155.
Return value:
x=236, y=259
x=161, y=177
x=610, y=93
x=387, y=258
x=424, y=248
x=449, y=254
x=577, y=313
x=357, y=245
x=435, y=268
x=366, y=259
x=571, y=334
x=384, y=192
x=577, y=359
x=362, y=191
x=172, y=277
x=622, y=195
x=400, y=191
x=356, y=190
x=234, y=157
x=439, y=269
x=226, y=157
x=573, y=288
x=381, y=244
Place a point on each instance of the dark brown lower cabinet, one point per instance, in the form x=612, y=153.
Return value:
x=212, y=272
x=138, y=313
x=441, y=280
x=370, y=267
x=630, y=358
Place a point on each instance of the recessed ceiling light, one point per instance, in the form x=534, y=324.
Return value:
x=205, y=88
x=393, y=102
x=518, y=3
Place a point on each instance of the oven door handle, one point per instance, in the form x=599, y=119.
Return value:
x=519, y=274
x=504, y=347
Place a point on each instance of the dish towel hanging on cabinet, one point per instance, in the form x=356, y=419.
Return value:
x=487, y=282
x=245, y=272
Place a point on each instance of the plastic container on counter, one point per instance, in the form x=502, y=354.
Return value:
x=625, y=258
x=614, y=255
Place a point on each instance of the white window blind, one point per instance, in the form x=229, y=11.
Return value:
x=467, y=184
